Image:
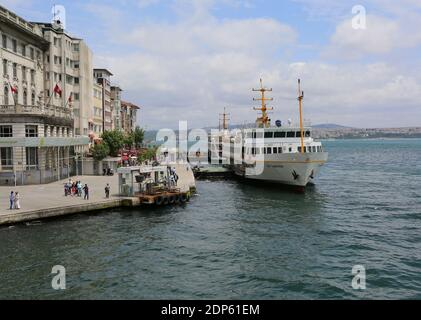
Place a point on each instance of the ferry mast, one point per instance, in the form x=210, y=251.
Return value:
x=263, y=121
x=224, y=119
x=300, y=100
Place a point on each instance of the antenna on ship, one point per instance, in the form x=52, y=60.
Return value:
x=224, y=118
x=300, y=99
x=263, y=121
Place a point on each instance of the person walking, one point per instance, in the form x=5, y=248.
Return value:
x=86, y=190
x=107, y=191
x=79, y=189
x=12, y=200
x=17, y=201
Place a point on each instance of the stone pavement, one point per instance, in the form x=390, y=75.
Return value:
x=47, y=196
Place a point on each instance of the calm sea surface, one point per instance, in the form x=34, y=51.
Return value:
x=237, y=241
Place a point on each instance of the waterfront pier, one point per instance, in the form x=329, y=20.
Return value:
x=48, y=200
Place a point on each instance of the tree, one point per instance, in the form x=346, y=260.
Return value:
x=129, y=139
x=138, y=135
x=147, y=155
x=114, y=140
x=100, y=151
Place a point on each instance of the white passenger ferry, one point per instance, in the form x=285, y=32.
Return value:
x=278, y=154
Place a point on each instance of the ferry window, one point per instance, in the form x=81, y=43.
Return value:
x=268, y=134
x=249, y=135
x=290, y=149
x=308, y=134
x=309, y=149
x=269, y=151
x=290, y=134
x=314, y=149
x=298, y=134
x=299, y=149
x=280, y=134
x=275, y=150
x=259, y=135
x=253, y=151
x=254, y=135
x=280, y=150
x=305, y=149
x=258, y=151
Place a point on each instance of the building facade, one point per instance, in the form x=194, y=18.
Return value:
x=36, y=136
x=103, y=78
x=96, y=120
x=128, y=117
x=116, y=107
x=68, y=67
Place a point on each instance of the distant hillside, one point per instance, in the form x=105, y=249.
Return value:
x=329, y=126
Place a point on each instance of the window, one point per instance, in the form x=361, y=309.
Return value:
x=76, y=96
x=290, y=134
x=280, y=150
x=76, y=80
x=6, y=131
x=6, y=156
x=23, y=50
x=23, y=73
x=76, y=47
x=268, y=134
x=32, y=53
x=25, y=98
x=314, y=149
x=269, y=151
x=55, y=41
x=6, y=95
x=31, y=131
x=280, y=134
x=32, y=158
x=4, y=41
x=48, y=58
x=15, y=70
x=5, y=67
x=69, y=79
x=275, y=150
x=76, y=66
x=298, y=134
x=308, y=134
x=33, y=76
x=14, y=46
x=290, y=149
x=33, y=98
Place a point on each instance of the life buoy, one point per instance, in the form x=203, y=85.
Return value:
x=171, y=200
x=159, y=201
x=166, y=200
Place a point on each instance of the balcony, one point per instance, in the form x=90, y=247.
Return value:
x=53, y=113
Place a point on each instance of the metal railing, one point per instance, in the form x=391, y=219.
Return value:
x=52, y=111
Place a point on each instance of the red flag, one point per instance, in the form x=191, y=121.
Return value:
x=14, y=89
x=57, y=90
x=70, y=98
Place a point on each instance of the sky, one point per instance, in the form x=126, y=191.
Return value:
x=188, y=59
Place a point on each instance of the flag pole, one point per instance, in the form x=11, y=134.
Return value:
x=13, y=94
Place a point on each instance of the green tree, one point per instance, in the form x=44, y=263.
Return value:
x=129, y=139
x=138, y=136
x=100, y=151
x=148, y=154
x=114, y=140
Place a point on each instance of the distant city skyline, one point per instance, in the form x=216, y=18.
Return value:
x=187, y=60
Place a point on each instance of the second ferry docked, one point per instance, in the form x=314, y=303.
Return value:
x=277, y=154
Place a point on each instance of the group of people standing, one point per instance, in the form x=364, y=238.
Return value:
x=14, y=200
x=75, y=188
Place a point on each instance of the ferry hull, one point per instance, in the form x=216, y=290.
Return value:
x=287, y=169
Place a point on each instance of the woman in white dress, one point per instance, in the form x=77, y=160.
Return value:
x=17, y=201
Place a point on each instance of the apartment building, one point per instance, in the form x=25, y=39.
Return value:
x=96, y=122
x=128, y=116
x=36, y=136
x=103, y=78
x=116, y=107
x=68, y=69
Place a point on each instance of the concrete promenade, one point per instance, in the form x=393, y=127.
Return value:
x=48, y=200
x=43, y=201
